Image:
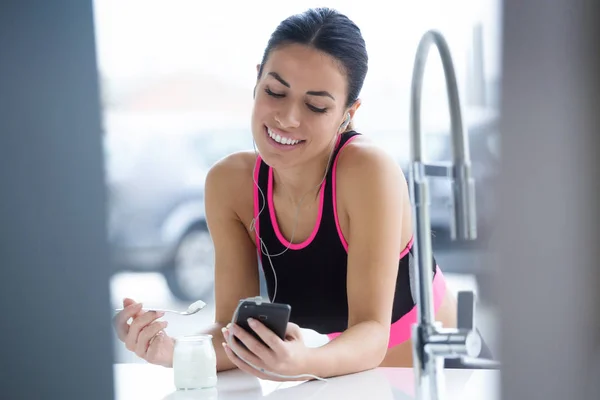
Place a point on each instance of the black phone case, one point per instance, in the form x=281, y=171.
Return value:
x=274, y=316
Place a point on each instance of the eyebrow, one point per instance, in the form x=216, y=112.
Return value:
x=311, y=93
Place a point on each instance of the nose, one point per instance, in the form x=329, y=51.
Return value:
x=288, y=116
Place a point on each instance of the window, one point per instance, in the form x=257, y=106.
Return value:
x=187, y=68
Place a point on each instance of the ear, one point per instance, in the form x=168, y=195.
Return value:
x=254, y=90
x=257, y=71
x=349, y=112
x=353, y=108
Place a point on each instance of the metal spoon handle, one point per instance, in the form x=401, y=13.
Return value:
x=157, y=310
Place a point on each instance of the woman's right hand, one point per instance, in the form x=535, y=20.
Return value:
x=145, y=336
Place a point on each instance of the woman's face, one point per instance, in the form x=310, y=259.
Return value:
x=299, y=106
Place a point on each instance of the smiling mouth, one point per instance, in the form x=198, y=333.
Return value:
x=283, y=140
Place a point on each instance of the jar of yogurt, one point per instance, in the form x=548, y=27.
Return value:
x=194, y=362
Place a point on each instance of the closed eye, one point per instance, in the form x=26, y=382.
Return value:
x=316, y=109
x=311, y=107
x=270, y=93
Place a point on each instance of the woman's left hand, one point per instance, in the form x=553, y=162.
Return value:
x=287, y=357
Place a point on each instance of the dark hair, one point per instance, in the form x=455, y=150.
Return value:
x=333, y=33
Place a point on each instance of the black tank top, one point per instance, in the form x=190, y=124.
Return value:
x=311, y=276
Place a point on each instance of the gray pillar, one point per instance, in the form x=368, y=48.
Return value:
x=549, y=231
x=55, y=338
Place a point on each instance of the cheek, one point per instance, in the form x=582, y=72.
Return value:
x=262, y=107
x=322, y=127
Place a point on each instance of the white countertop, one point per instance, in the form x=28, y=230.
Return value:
x=150, y=382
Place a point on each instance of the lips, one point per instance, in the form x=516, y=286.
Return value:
x=282, y=137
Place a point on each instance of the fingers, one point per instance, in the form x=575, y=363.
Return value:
x=242, y=365
x=146, y=336
x=137, y=325
x=160, y=350
x=127, y=302
x=254, y=352
x=268, y=336
x=120, y=320
x=293, y=331
x=225, y=331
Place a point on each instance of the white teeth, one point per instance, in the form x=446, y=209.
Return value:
x=282, y=140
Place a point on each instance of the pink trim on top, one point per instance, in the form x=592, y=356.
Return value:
x=256, y=205
x=401, y=330
x=335, y=213
x=334, y=195
x=282, y=239
x=409, y=246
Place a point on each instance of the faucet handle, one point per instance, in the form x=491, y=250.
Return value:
x=466, y=310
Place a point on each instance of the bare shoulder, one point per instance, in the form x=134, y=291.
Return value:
x=362, y=161
x=229, y=181
x=230, y=172
x=369, y=181
x=236, y=166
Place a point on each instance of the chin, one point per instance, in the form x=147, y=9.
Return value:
x=275, y=155
x=273, y=160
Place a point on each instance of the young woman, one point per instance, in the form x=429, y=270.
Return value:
x=327, y=212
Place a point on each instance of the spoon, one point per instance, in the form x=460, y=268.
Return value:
x=192, y=309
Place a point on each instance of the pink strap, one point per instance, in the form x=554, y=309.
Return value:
x=256, y=204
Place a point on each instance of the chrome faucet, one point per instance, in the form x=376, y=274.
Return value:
x=432, y=343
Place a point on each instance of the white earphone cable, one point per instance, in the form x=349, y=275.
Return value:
x=263, y=247
x=264, y=250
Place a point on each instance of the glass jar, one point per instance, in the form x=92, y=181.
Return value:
x=194, y=362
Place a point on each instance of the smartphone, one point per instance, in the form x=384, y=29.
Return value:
x=274, y=316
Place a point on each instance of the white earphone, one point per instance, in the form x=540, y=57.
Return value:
x=263, y=250
x=345, y=123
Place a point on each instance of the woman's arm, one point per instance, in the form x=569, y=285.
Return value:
x=236, y=265
x=374, y=193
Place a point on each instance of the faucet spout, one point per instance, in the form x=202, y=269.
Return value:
x=431, y=342
x=463, y=217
